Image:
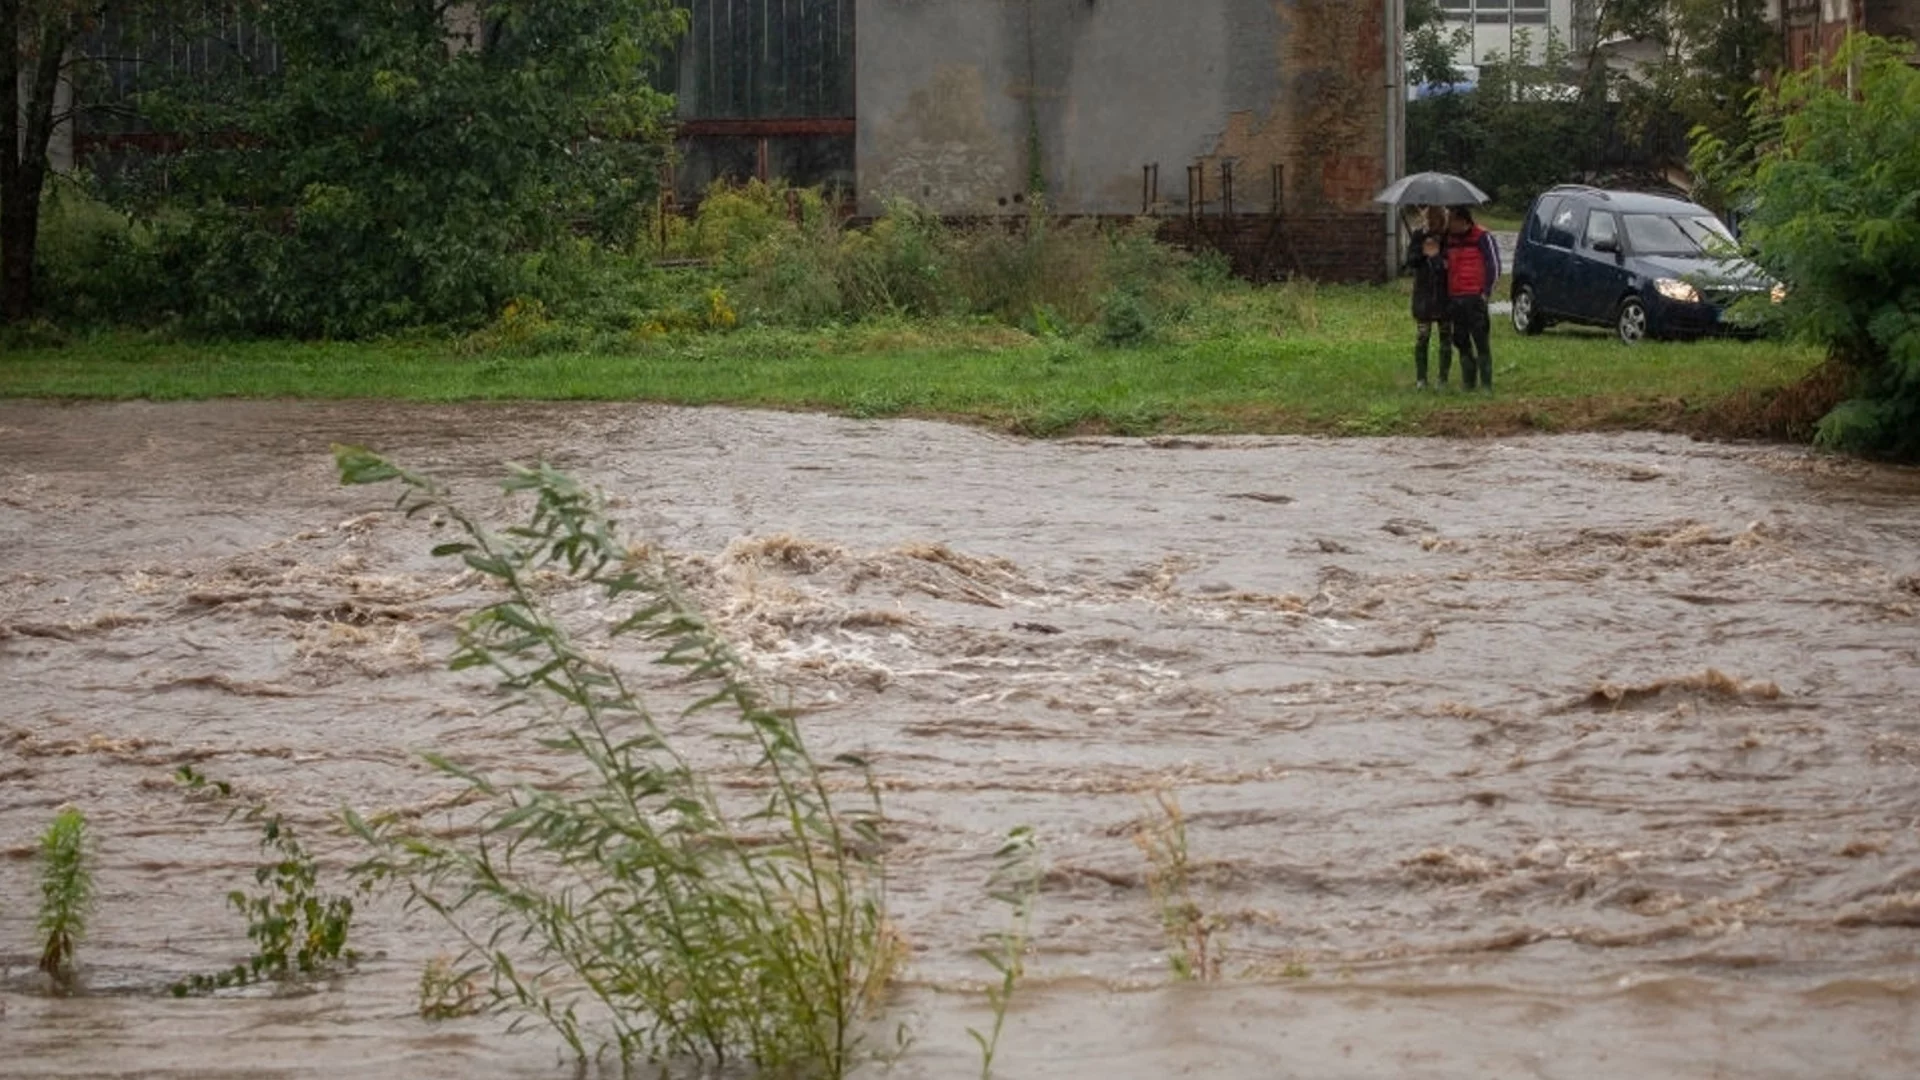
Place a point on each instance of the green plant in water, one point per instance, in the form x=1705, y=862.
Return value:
x=66, y=894
x=296, y=929
x=1015, y=883
x=1190, y=931
x=632, y=907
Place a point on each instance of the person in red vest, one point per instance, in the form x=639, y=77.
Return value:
x=1473, y=266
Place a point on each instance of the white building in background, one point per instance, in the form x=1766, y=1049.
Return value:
x=1502, y=26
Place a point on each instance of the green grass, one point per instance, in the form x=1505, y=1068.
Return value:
x=1288, y=359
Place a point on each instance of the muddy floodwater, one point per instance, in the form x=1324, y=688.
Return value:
x=1572, y=756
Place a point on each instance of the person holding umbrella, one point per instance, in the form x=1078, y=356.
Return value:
x=1428, y=258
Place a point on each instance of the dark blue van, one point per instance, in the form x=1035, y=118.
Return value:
x=1646, y=265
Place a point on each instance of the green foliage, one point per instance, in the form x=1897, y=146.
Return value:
x=66, y=894
x=635, y=907
x=1432, y=52
x=1015, y=884
x=1193, y=951
x=1570, y=116
x=1711, y=55
x=395, y=172
x=1833, y=210
x=98, y=265
x=296, y=929
x=1522, y=130
x=805, y=267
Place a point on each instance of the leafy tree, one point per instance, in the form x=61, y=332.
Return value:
x=414, y=160
x=34, y=38
x=1432, y=52
x=1833, y=209
x=1711, y=56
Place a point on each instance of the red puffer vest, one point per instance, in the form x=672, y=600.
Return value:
x=1466, y=263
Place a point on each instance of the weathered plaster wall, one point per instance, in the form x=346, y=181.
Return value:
x=962, y=103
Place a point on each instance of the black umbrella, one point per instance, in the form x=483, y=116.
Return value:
x=1431, y=189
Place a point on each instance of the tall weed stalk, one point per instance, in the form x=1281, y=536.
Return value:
x=632, y=908
x=1193, y=951
x=1015, y=883
x=66, y=894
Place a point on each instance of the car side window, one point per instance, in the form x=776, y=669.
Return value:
x=1566, y=223
x=1542, y=213
x=1601, y=229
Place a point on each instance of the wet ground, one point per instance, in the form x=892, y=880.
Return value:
x=1567, y=756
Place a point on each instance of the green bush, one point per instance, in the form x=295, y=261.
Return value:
x=388, y=177
x=1833, y=201
x=98, y=265
x=1039, y=273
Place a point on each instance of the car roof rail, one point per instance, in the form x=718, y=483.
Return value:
x=1587, y=189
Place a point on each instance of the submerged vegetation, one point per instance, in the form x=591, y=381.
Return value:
x=1015, y=884
x=639, y=907
x=297, y=930
x=1192, y=933
x=66, y=894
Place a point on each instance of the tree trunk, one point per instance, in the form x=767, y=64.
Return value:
x=36, y=52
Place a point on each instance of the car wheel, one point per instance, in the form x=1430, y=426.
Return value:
x=1526, y=311
x=1631, y=321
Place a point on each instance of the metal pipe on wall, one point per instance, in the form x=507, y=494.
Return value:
x=1396, y=165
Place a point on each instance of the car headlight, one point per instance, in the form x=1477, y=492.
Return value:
x=1779, y=294
x=1675, y=289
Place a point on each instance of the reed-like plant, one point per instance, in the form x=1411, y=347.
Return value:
x=1193, y=949
x=1015, y=883
x=66, y=894
x=631, y=906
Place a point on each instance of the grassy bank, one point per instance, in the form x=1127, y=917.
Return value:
x=1286, y=359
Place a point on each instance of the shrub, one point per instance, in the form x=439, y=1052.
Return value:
x=633, y=895
x=789, y=259
x=99, y=265
x=1833, y=202
x=388, y=176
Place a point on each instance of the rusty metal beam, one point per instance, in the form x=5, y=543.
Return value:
x=771, y=127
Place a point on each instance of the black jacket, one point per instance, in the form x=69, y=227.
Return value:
x=1429, y=279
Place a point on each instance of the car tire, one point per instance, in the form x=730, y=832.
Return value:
x=1630, y=321
x=1526, y=311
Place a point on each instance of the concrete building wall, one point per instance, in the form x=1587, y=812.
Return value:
x=964, y=103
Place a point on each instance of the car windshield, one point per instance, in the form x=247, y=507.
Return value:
x=1678, y=234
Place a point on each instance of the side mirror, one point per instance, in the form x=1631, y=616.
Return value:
x=1610, y=245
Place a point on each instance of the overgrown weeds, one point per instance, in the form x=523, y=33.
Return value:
x=633, y=907
x=792, y=260
x=1015, y=883
x=1192, y=934
x=66, y=895
x=297, y=930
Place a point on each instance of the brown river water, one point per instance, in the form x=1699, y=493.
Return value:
x=1568, y=756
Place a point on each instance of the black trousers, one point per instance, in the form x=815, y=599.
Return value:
x=1468, y=314
x=1421, y=348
